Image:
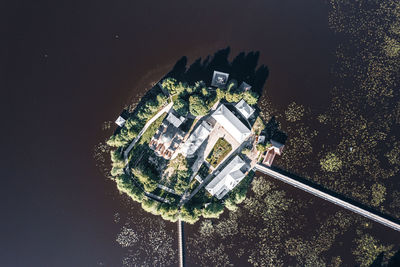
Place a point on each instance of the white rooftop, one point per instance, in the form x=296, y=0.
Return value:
x=227, y=179
x=231, y=123
x=196, y=139
x=244, y=108
x=120, y=121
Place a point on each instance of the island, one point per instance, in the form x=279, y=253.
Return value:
x=189, y=150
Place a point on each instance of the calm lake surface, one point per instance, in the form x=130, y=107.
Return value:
x=68, y=66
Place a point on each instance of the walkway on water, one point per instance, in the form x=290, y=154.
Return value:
x=181, y=244
x=335, y=200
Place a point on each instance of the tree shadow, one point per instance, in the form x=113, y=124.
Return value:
x=242, y=68
x=394, y=261
x=378, y=262
x=272, y=131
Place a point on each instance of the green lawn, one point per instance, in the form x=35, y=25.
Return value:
x=219, y=152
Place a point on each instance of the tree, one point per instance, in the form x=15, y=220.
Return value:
x=213, y=210
x=232, y=97
x=189, y=215
x=197, y=106
x=147, y=175
x=169, y=84
x=261, y=147
x=220, y=94
x=115, y=171
x=181, y=106
x=331, y=163
x=182, y=182
x=250, y=97
x=125, y=185
x=161, y=99
x=151, y=206
x=230, y=204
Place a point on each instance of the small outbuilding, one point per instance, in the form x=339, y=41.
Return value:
x=244, y=109
x=122, y=118
x=219, y=79
x=276, y=148
x=244, y=87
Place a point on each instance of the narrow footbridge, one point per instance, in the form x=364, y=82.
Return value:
x=181, y=244
x=337, y=200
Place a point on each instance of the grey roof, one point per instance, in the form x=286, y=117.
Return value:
x=244, y=86
x=196, y=139
x=171, y=118
x=276, y=143
x=219, y=79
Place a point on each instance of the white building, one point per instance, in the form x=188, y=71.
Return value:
x=231, y=123
x=244, y=109
x=120, y=121
x=196, y=139
x=228, y=178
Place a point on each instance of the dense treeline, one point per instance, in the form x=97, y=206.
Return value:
x=198, y=99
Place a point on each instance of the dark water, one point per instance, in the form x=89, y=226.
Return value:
x=66, y=67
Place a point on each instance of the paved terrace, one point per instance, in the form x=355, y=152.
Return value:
x=335, y=200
